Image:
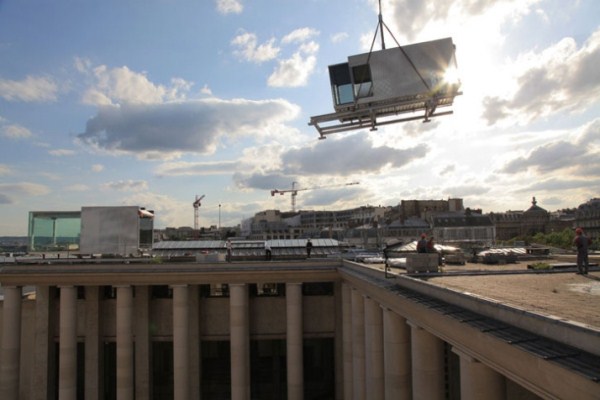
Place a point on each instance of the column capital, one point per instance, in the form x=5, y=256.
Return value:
x=414, y=325
x=179, y=285
x=465, y=354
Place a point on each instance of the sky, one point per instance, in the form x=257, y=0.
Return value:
x=155, y=102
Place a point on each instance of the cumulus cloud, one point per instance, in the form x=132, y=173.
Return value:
x=126, y=186
x=31, y=89
x=413, y=17
x=327, y=162
x=248, y=49
x=292, y=71
x=580, y=155
x=195, y=126
x=300, y=35
x=229, y=6
x=295, y=71
x=562, y=77
x=15, y=132
x=123, y=86
x=349, y=155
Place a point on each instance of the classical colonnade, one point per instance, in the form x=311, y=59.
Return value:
x=185, y=382
x=387, y=356
x=384, y=355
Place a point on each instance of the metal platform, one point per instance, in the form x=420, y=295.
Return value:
x=381, y=113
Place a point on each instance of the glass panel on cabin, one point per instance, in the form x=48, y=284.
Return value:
x=341, y=84
x=362, y=81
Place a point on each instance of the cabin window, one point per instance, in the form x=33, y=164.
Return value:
x=341, y=84
x=363, y=86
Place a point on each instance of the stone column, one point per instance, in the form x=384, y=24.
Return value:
x=294, y=336
x=195, y=340
x=358, y=346
x=373, y=350
x=11, y=343
x=93, y=344
x=181, y=365
x=44, y=350
x=239, y=326
x=347, y=339
x=478, y=381
x=125, y=364
x=428, y=380
x=67, y=348
x=143, y=353
x=396, y=342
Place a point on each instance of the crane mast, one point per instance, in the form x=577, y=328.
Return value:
x=196, y=206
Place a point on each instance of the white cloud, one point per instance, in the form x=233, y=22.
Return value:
x=326, y=161
x=97, y=168
x=248, y=48
x=295, y=71
x=61, y=152
x=126, y=186
x=559, y=78
x=9, y=190
x=299, y=35
x=122, y=85
x=199, y=126
x=16, y=132
x=339, y=37
x=5, y=169
x=229, y=6
x=32, y=89
x=77, y=188
x=575, y=157
x=206, y=90
x=196, y=168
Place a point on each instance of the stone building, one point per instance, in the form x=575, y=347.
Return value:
x=534, y=220
x=587, y=216
x=318, y=329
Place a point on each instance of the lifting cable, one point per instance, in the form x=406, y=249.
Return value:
x=379, y=28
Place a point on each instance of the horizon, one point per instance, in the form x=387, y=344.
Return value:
x=157, y=103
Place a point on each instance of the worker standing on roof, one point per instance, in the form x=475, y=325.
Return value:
x=422, y=244
x=267, y=251
x=309, y=246
x=582, y=244
x=229, y=250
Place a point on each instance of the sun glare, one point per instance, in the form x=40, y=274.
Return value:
x=451, y=76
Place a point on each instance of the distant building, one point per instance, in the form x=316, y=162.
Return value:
x=508, y=224
x=124, y=230
x=54, y=230
x=587, y=216
x=462, y=228
x=512, y=224
x=534, y=220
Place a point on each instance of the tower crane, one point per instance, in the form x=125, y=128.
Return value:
x=294, y=191
x=197, y=205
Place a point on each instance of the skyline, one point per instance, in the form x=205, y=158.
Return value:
x=119, y=103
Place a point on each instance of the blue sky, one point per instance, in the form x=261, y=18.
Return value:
x=153, y=102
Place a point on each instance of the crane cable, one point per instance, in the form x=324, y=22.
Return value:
x=379, y=28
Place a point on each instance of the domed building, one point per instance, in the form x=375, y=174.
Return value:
x=534, y=220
